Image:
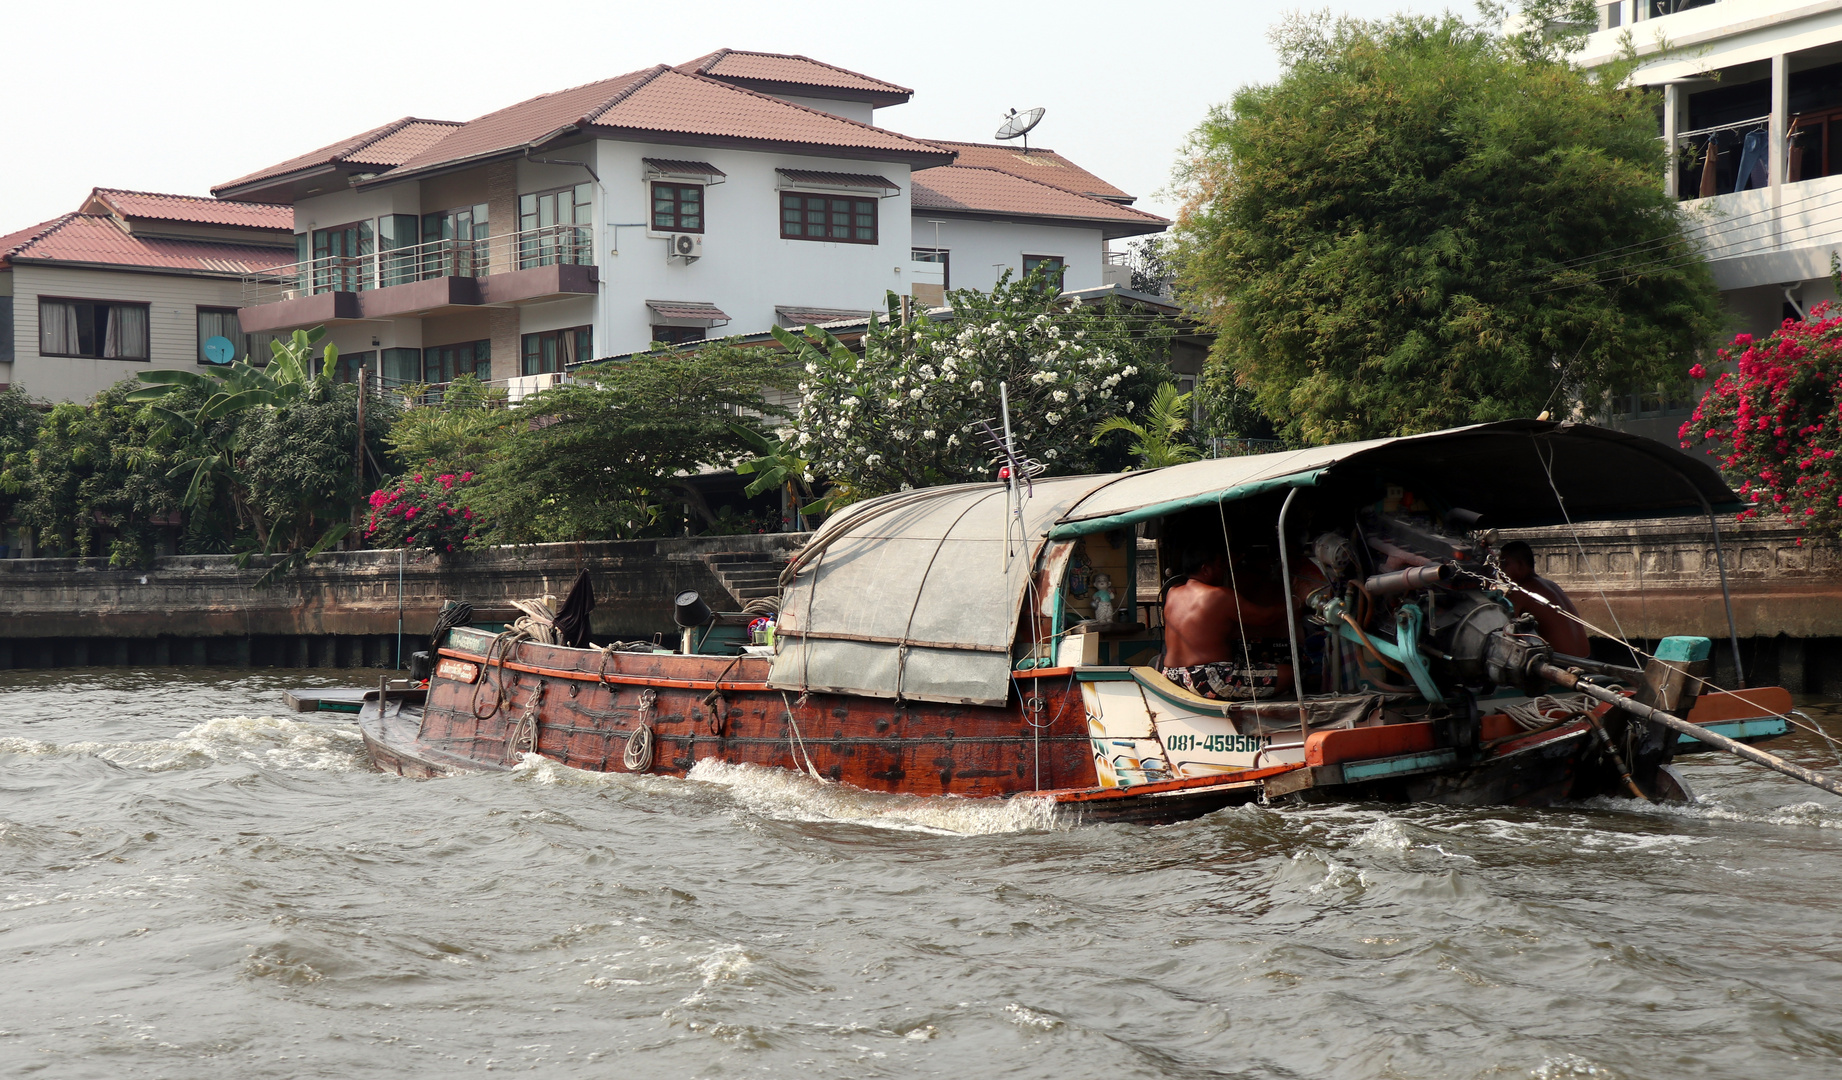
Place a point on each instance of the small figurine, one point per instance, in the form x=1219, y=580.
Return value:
x=1104, y=611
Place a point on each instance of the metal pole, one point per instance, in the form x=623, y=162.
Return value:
x=1675, y=723
x=402, y=553
x=1285, y=571
x=1726, y=596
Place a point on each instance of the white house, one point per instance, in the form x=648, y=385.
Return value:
x=1753, y=109
x=725, y=195
x=128, y=282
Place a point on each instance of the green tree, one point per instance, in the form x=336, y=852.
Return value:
x=20, y=418
x=597, y=457
x=904, y=413
x=99, y=477
x=1424, y=223
x=1160, y=433
x=456, y=434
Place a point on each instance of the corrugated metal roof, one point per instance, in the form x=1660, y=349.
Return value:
x=795, y=315
x=385, y=145
x=674, y=167
x=786, y=68
x=199, y=209
x=989, y=191
x=688, y=309
x=856, y=181
x=663, y=99
x=1043, y=166
x=94, y=239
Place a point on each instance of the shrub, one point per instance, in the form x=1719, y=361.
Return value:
x=423, y=511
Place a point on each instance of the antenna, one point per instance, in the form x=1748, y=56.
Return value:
x=1017, y=125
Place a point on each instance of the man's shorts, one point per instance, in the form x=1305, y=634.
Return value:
x=1229, y=680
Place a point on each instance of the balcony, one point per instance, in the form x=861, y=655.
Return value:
x=441, y=276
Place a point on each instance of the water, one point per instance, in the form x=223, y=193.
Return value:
x=194, y=883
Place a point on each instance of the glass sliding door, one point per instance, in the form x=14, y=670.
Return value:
x=556, y=227
x=454, y=242
x=342, y=258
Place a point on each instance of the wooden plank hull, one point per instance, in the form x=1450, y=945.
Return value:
x=582, y=707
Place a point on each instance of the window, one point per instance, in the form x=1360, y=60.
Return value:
x=554, y=227
x=222, y=322
x=939, y=256
x=92, y=328
x=443, y=363
x=677, y=335
x=827, y=217
x=399, y=367
x=342, y=257
x=1051, y=266
x=347, y=369
x=677, y=207
x=454, y=242
x=555, y=350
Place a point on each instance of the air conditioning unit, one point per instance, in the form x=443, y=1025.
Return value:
x=686, y=246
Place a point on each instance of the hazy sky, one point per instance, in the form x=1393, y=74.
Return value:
x=177, y=96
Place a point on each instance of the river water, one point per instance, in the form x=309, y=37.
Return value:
x=195, y=883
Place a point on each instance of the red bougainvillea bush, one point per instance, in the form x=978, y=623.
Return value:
x=423, y=511
x=1777, y=420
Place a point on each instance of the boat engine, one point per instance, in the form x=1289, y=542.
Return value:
x=1411, y=594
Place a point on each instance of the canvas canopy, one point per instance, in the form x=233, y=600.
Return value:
x=911, y=595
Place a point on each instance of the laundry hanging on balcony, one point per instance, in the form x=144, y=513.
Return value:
x=1755, y=171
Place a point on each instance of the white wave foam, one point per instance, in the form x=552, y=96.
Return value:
x=264, y=740
x=1029, y=1019
x=791, y=796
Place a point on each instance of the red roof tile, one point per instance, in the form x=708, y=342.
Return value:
x=789, y=70
x=194, y=208
x=13, y=241
x=93, y=239
x=991, y=192
x=1043, y=166
x=385, y=145
x=665, y=100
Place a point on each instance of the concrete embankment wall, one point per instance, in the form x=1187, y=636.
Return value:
x=1647, y=580
x=343, y=610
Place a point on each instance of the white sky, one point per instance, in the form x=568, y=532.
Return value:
x=176, y=96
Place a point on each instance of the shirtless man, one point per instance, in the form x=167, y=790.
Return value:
x=1205, y=622
x=1565, y=634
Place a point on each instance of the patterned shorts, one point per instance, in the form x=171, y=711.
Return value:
x=1228, y=680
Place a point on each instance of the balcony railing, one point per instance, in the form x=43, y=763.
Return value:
x=547, y=246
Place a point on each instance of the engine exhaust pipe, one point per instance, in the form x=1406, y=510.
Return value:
x=1410, y=579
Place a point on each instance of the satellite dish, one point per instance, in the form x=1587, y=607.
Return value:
x=220, y=350
x=1017, y=125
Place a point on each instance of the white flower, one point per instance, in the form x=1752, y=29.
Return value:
x=952, y=440
x=1129, y=406
x=805, y=437
x=1012, y=335
x=976, y=385
x=1055, y=331
x=1052, y=454
x=1060, y=396
x=1079, y=334
x=906, y=486
x=927, y=371
x=873, y=460
x=916, y=393
x=1053, y=418
x=928, y=434
x=812, y=369
x=807, y=477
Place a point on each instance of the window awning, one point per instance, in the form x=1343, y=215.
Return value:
x=792, y=315
x=658, y=168
x=838, y=181
x=688, y=312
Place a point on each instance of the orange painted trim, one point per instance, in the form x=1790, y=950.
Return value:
x=612, y=676
x=1740, y=704
x=1042, y=673
x=1078, y=795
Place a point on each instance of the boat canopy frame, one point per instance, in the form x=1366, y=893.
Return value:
x=918, y=595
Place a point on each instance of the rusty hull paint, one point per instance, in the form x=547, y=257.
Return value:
x=588, y=703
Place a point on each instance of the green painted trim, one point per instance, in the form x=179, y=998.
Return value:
x=1103, y=674
x=1395, y=766
x=1684, y=650
x=1756, y=728
x=1070, y=529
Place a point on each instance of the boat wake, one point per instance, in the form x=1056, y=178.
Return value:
x=264, y=741
x=789, y=796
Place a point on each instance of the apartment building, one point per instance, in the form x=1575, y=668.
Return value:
x=725, y=195
x=129, y=281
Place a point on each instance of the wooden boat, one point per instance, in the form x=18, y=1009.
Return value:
x=941, y=642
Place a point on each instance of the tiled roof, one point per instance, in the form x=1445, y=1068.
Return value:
x=663, y=100
x=94, y=239
x=1043, y=166
x=13, y=241
x=857, y=181
x=788, y=70
x=688, y=309
x=970, y=190
x=195, y=208
x=386, y=145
